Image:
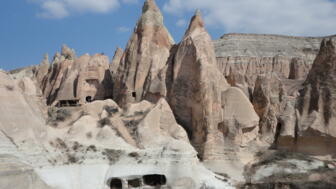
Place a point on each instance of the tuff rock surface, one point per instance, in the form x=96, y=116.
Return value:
x=145, y=55
x=201, y=98
x=97, y=138
x=231, y=113
x=242, y=57
x=315, y=125
x=78, y=79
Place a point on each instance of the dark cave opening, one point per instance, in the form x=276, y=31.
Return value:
x=154, y=180
x=88, y=99
x=134, y=183
x=116, y=183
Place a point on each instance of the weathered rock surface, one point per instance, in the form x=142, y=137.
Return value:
x=42, y=69
x=115, y=61
x=242, y=57
x=280, y=169
x=77, y=79
x=179, y=108
x=202, y=100
x=97, y=138
x=316, y=105
x=145, y=55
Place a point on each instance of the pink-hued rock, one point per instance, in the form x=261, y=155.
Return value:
x=201, y=98
x=145, y=56
x=78, y=79
x=115, y=61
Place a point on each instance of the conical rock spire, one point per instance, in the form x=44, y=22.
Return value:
x=201, y=98
x=195, y=23
x=145, y=56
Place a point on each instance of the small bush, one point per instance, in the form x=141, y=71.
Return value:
x=57, y=115
x=132, y=126
x=111, y=110
x=72, y=158
x=112, y=155
x=103, y=122
x=134, y=154
x=92, y=148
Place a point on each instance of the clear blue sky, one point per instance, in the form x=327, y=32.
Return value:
x=25, y=37
x=30, y=28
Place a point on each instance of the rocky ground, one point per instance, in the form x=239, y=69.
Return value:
x=243, y=111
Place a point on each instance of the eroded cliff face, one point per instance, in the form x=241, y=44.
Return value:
x=174, y=109
x=203, y=102
x=59, y=149
x=75, y=80
x=315, y=127
x=146, y=54
x=242, y=57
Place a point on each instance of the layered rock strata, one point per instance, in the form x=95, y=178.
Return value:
x=315, y=127
x=242, y=57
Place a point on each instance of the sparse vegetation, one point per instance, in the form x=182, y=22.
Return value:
x=103, y=122
x=76, y=146
x=134, y=155
x=112, y=155
x=132, y=126
x=72, y=158
x=60, y=144
x=278, y=155
x=111, y=110
x=56, y=115
x=92, y=148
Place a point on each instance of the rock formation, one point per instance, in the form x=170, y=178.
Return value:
x=145, y=55
x=280, y=169
x=74, y=81
x=115, y=61
x=201, y=98
x=242, y=57
x=315, y=126
x=42, y=69
x=57, y=151
x=235, y=112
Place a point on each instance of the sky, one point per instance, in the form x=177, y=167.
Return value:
x=30, y=28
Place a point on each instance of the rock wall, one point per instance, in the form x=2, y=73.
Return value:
x=80, y=79
x=202, y=100
x=315, y=127
x=242, y=57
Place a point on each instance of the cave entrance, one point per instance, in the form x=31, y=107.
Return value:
x=88, y=99
x=134, y=94
x=154, y=180
x=134, y=183
x=68, y=103
x=116, y=183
